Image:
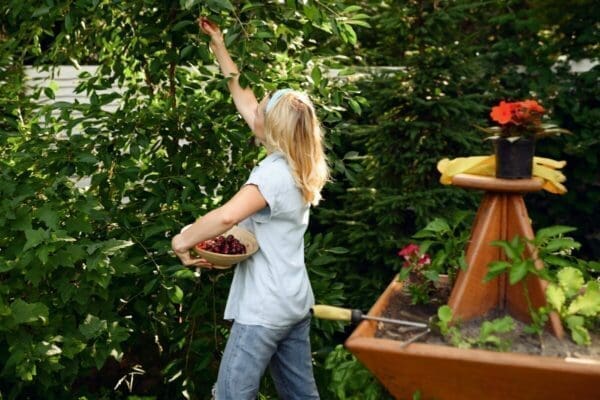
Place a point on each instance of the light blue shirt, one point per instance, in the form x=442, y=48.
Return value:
x=271, y=288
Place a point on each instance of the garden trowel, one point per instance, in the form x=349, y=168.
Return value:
x=353, y=315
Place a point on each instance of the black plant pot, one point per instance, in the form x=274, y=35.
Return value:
x=514, y=160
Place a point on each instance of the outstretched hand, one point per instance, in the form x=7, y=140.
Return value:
x=186, y=258
x=189, y=261
x=209, y=28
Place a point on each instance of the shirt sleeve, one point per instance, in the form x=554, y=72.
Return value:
x=266, y=180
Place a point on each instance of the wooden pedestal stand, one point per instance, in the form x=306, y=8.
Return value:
x=501, y=216
x=449, y=373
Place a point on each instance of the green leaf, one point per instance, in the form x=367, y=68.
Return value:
x=462, y=262
x=92, y=327
x=230, y=38
x=496, y=268
x=556, y=260
x=552, y=231
x=185, y=273
x=438, y=225
x=49, y=217
x=404, y=273
x=312, y=13
x=509, y=249
x=8, y=265
x=49, y=93
x=109, y=247
x=72, y=346
x=431, y=275
x=41, y=11
x=579, y=333
x=593, y=265
x=355, y=106
x=581, y=336
x=148, y=287
x=445, y=313
x=187, y=4
x=504, y=325
x=555, y=297
x=347, y=33
x=486, y=330
x=323, y=259
x=316, y=75
x=220, y=5
x=69, y=22
x=424, y=234
x=352, y=9
x=587, y=304
x=359, y=22
x=34, y=238
x=518, y=271
x=561, y=244
x=27, y=313
x=338, y=250
x=187, y=50
x=176, y=294
x=499, y=325
x=86, y=158
x=570, y=280
x=116, y=333
x=182, y=24
x=43, y=252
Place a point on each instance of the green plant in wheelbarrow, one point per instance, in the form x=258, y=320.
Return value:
x=490, y=332
x=575, y=299
x=440, y=252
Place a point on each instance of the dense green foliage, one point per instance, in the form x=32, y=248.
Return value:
x=88, y=289
x=454, y=67
x=86, y=273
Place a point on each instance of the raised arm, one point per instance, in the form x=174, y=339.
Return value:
x=244, y=98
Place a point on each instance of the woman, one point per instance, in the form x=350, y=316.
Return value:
x=270, y=296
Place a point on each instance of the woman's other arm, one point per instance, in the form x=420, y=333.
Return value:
x=246, y=202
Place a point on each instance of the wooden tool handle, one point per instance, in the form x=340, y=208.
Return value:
x=332, y=313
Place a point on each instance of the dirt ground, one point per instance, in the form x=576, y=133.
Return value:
x=522, y=342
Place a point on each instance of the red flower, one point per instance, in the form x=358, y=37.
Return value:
x=520, y=119
x=503, y=113
x=532, y=106
x=409, y=250
x=424, y=260
x=527, y=112
x=517, y=113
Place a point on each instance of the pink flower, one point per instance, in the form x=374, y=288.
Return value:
x=409, y=250
x=424, y=260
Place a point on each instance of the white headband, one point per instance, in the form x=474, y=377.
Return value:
x=275, y=99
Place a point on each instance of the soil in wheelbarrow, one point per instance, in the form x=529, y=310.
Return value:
x=520, y=341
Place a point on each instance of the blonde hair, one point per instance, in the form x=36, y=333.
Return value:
x=292, y=127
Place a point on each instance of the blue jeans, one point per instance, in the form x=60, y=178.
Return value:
x=251, y=348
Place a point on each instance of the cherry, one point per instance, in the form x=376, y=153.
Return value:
x=223, y=245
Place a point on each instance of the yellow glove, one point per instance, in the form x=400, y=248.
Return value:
x=545, y=168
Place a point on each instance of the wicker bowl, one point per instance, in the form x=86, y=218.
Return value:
x=226, y=261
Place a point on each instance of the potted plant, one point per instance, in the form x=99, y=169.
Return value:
x=481, y=367
x=520, y=125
